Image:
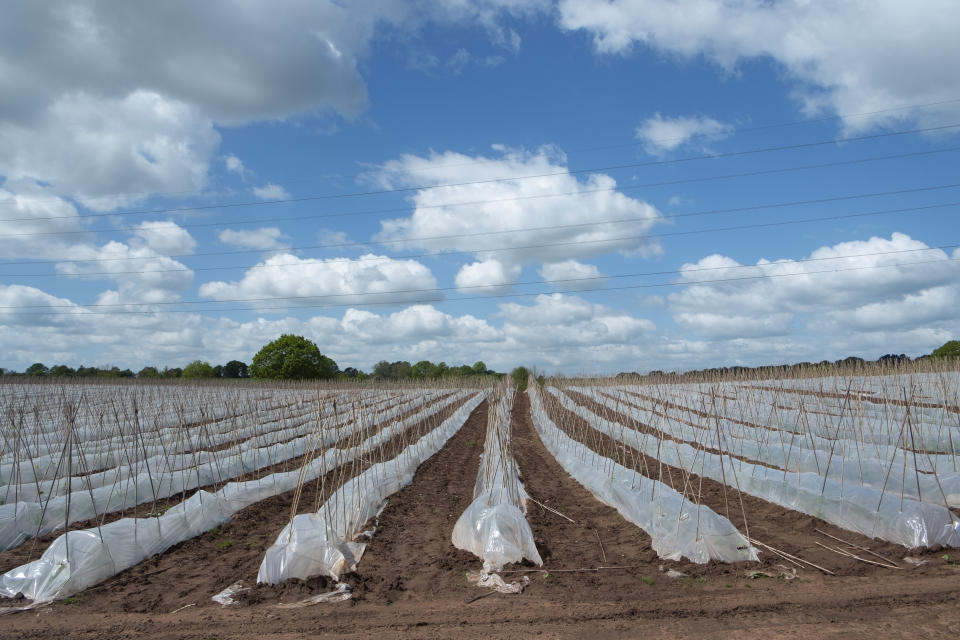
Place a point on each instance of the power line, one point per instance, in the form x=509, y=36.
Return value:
x=574, y=150
x=565, y=172
x=585, y=192
x=580, y=242
x=341, y=245
x=439, y=290
x=778, y=125
x=450, y=252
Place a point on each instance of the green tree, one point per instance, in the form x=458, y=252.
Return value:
x=520, y=375
x=462, y=370
x=62, y=371
x=398, y=370
x=198, y=369
x=148, y=372
x=949, y=349
x=479, y=368
x=291, y=357
x=236, y=369
x=423, y=369
x=37, y=369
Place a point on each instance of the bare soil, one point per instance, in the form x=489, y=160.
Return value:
x=411, y=581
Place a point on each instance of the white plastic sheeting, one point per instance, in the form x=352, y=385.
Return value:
x=79, y=559
x=798, y=452
x=22, y=520
x=322, y=543
x=168, y=448
x=866, y=510
x=494, y=527
x=678, y=528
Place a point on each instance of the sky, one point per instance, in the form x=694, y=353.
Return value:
x=581, y=186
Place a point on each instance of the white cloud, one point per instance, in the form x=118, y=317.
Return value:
x=136, y=92
x=111, y=152
x=370, y=278
x=853, y=57
x=332, y=237
x=416, y=323
x=266, y=238
x=889, y=283
x=560, y=209
x=166, y=237
x=26, y=208
x=142, y=274
x=222, y=56
x=589, y=336
x=271, y=191
x=492, y=275
x=661, y=135
x=22, y=305
x=235, y=164
x=728, y=325
x=558, y=320
x=583, y=276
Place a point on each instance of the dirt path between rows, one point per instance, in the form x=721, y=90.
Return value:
x=784, y=529
x=411, y=583
x=34, y=547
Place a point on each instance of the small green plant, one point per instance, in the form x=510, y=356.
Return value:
x=223, y=545
x=545, y=575
x=214, y=531
x=701, y=580
x=71, y=600
x=646, y=580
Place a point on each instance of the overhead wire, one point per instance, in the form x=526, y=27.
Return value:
x=794, y=123
x=438, y=290
x=565, y=172
x=671, y=182
x=479, y=250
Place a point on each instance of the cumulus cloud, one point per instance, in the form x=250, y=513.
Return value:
x=31, y=216
x=493, y=276
x=574, y=271
x=561, y=210
x=271, y=191
x=142, y=274
x=21, y=305
x=369, y=278
x=416, y=323
x=166, y=237
x=136, y=91
x=111, y=152
x=235, y=164
x=852, y=57
x=265, y=238
x=563, y=332
x=873, y=288
x=556, y=320
x=661, y=135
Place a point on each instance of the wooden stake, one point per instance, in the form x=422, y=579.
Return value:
x=856, y=546
x=552, y=510
x=784, y=553
x=855, y=557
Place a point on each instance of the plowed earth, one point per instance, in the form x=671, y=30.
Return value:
x=411, y=581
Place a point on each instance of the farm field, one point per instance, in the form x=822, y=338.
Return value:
x=730, y=508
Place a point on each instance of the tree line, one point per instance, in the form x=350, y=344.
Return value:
x=289, y=357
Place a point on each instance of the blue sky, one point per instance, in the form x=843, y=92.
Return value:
x=583, y=186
